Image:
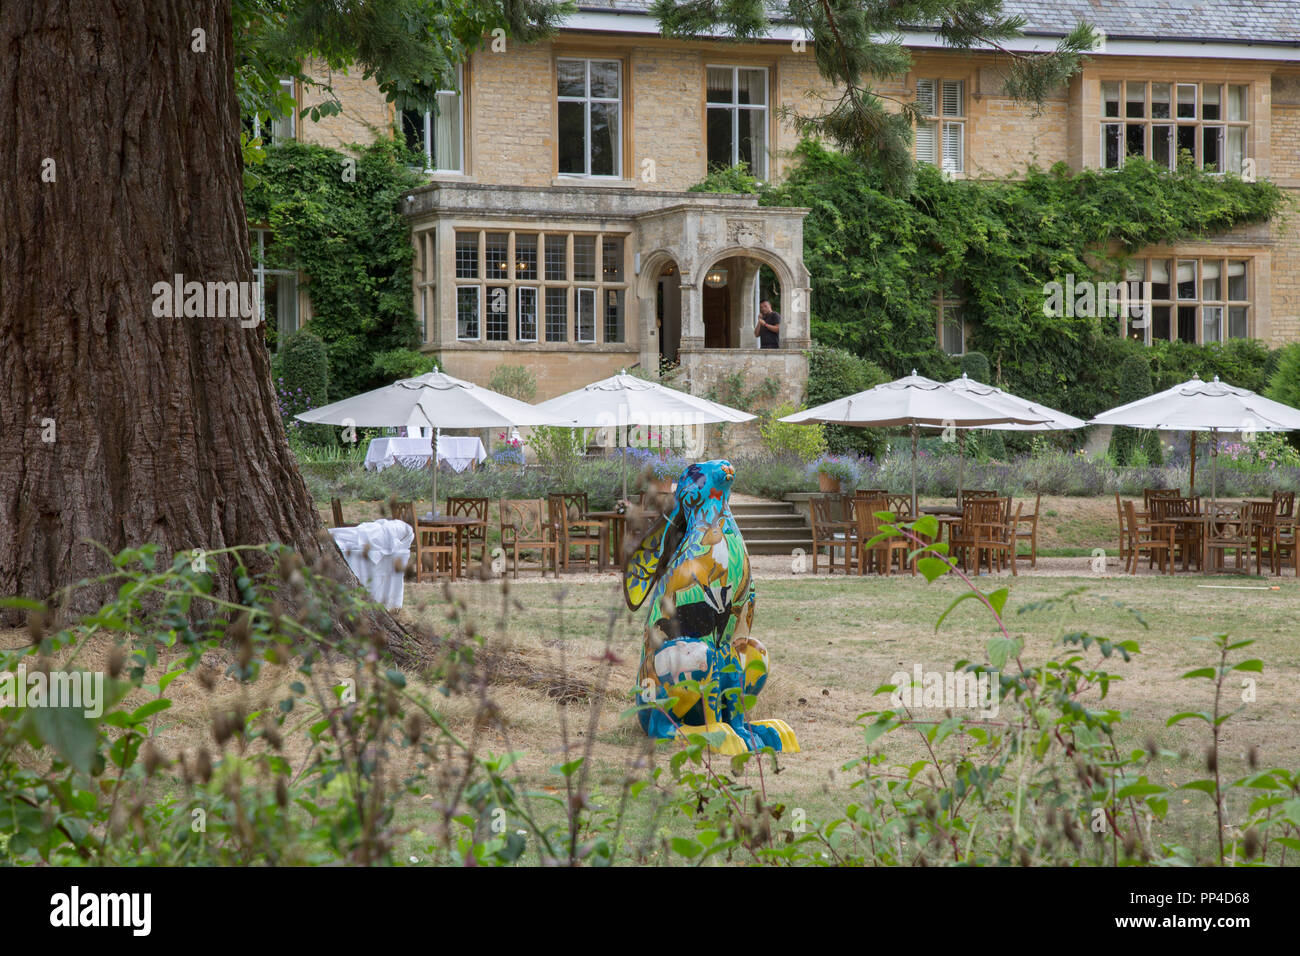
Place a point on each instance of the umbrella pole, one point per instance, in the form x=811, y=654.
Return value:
x=1192, y=491
x=433, y=463
x=961, y=461
x=914, y=434
x=1214, y=467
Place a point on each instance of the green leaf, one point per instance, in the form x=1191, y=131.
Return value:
x=932, y=568
x=1205, y=786
x=1254, y=666
x=68, y=732
x=1000, y=650
x=875, y=730
x=148, y=710
x=964, y=596
x=567, y=769
x=1187, y=715
x=1140, y=789
x=927, y=526
x=687, y=848
x=1209, y=672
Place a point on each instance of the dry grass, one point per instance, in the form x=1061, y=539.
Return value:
x=833, y=641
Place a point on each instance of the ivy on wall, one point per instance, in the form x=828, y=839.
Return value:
x=878, y=261
x=336, y=217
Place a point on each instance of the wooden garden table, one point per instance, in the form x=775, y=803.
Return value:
x=611, y=538
x=461, y=523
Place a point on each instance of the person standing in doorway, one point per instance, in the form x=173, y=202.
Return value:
x=768, y=327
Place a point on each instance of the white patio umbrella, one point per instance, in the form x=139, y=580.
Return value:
x=991, y=395
x=1200, y=406
x=437, y=400
x=917, y=402
x=624, y=400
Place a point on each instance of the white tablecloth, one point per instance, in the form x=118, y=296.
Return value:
x=378, y=552
x=459, y=451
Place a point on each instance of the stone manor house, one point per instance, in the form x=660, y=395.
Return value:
x=555, y=229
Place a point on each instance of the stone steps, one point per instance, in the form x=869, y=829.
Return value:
x=772, y=527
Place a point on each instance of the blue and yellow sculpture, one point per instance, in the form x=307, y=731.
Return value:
x=694, y=568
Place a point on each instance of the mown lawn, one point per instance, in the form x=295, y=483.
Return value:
x=834, y=641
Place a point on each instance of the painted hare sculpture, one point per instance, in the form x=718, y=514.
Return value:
x=693, y=566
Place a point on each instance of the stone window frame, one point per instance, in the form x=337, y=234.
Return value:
x=623, y=100
x=429, y=126
x=257, y=249
x=1148, y=123
x=941, y=120
x=606, y=278
x=950, y=298
x=424, y=278
x=1198, y=302
x=734, y=109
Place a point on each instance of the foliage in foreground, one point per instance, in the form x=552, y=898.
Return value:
x=324, y=746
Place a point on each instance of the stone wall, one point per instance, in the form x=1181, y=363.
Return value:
x=705, y=369
x=366, y=114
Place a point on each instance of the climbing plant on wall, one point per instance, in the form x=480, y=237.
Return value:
x=878, y=260
x=335, y=216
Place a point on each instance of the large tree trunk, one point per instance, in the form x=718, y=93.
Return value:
x=164, y=430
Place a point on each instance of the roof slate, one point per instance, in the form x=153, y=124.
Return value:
x=1245, y=21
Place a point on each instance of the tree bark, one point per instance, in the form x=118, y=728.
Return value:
x=164, y=430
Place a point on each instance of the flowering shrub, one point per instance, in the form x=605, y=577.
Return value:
x=1264, y=452
x=512, y=453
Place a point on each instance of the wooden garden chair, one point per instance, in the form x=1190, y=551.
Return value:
x=1124, y=534
x=900, y=506
x=1031, y=535
x=1228, y=532
x=568, y=512
x=832, y=528
x=471, y=536
x=1284, y=542
x=336, y=514
x=864, y=511
x=1261, y=525
x=526, y=526
x=436, y=554
x=430, y=540
x=1151, y=537
x=1284, y=503
x=1149, y=493
x=1187, y=534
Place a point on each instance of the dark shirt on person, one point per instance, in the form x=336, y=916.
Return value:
x=768, y=339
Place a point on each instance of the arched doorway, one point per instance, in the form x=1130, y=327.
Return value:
x=731, y=289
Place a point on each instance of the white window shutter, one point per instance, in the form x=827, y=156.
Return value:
x=953, y=160
x=952, y=98
x=926, y=151
x=925, y=96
